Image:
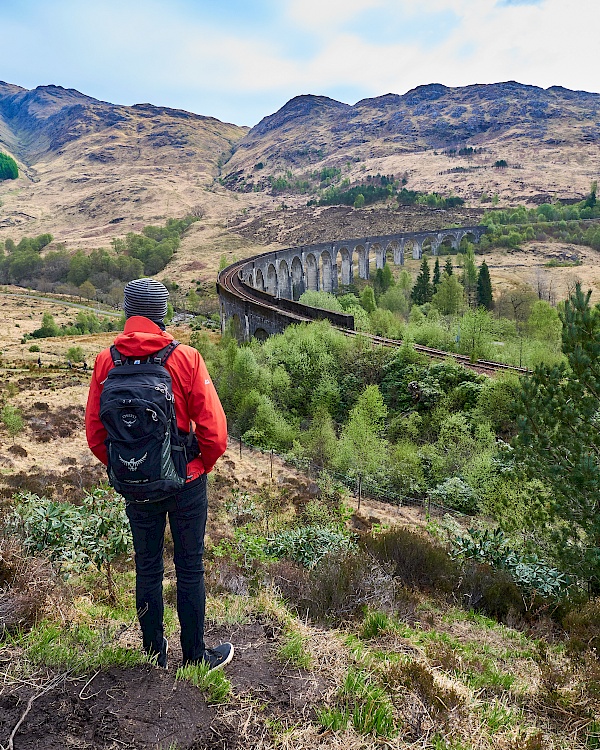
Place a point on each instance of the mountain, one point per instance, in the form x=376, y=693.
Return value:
x=503, y=120
x=88, y=165
x=91, y=170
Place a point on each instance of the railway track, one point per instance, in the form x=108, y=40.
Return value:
x=229, y=279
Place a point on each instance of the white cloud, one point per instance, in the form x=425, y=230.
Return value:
x=126, y=51
x=320, y=16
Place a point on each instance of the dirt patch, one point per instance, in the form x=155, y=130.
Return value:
x=134, y=708
x=66, y=485
x=61, y=423
x=256, y=673
x=148, y=708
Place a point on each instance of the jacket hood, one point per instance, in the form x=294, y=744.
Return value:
x=141, y=337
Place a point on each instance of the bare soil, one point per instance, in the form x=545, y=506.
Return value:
x=147, y=708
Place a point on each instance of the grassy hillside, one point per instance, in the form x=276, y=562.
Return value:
x=376, y=636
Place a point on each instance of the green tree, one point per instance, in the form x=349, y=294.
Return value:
x=47, y=329
x=395, y=299
x=75, y=354
x=24, y=265
x=8, y=167
x=559, y=439
x=359, y=201
x=436, y=274
x=193, y=300
x=367, y=299
x=422, y=291
x=484, y=288
x=324, y=300
x=449, y=298
x=319, y=441
x=470, y=276
x=362, y=448
x=476, y=329
x=87, y=290
x=449, y=268
x=544, y=323
x=79, y=269
x=384, y=279
x=12, y=420
x=590, y=201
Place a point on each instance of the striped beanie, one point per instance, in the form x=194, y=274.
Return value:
x=148, y=298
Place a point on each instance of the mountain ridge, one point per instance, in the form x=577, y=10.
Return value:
x=88, y=164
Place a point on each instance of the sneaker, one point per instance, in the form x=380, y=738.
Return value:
x=218, y=657
x=162, y=660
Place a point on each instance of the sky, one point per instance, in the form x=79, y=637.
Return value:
x=240, y=60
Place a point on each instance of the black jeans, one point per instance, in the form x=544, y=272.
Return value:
x=187, y=518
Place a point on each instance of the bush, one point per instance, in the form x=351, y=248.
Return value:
x=341, y=585
x=34, y=348
x=12, y=420
x=75, y=354
x=24, y=585
x=418, y=563
x=76, y=537
x=582, y=625
x=455, y=493
x=490, y=591
x=308, y=544
x=532, y=575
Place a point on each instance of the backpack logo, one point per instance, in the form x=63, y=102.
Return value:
x=129, y=419
x=133, y=464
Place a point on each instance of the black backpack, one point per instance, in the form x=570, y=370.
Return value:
x=147, y=455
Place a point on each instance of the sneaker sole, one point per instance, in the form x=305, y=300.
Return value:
x=227, y=660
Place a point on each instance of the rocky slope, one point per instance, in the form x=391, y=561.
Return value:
x=508, y=121
x=88, y=165
x=91, y=170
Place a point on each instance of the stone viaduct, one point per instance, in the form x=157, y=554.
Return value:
x=283, y=275
x=325, y=266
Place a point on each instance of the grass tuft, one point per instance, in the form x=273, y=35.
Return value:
x=375, y=623
x=293, y=650
x=212, y=682
x=78, y=648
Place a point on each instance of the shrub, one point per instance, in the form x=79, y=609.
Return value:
x=34, y=348
x=341, y=585
x=491, y=591
x=75, y=354
x=24, y=585
x=308, y=544
x=8, y=167
x=77, y=537
x=582, y=625
x=531, y=574
x=12, y=420
x=416, y=561
x=455, y=493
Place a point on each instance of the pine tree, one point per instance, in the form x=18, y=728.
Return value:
x=436, y=274
x=422, y=291
x=559, y=441
x=469, y=277
x=449, y=268
x=484, y=288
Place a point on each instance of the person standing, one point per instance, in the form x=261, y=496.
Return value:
x=197, y=410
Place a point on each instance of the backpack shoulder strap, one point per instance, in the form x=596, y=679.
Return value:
x=117, y=359
x=159, y=358
x=163, y=354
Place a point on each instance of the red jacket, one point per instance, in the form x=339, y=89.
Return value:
x=196, y=399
